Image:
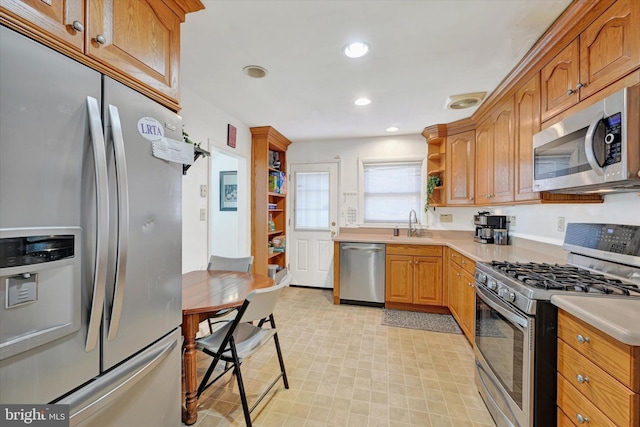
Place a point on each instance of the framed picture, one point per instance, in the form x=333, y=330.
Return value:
x=231, y=136
x=229, y=191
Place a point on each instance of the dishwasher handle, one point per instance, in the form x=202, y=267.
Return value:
x=359, y=248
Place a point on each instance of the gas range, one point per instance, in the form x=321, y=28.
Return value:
x=604, y=261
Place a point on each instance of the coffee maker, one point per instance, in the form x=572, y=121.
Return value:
x=486, y=224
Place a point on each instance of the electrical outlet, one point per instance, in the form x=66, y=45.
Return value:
x=446, y=217
x=512, y=221
x=560, y=225
x=203, y=214
x=203, y=190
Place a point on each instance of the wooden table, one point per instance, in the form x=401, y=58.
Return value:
x=204, y=293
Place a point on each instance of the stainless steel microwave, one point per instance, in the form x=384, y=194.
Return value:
x=595, y=150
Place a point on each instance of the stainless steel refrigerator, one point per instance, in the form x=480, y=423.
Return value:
x=90, y=243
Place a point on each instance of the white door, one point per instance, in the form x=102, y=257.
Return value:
x=314, y=223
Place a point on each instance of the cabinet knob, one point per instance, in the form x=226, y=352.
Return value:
x=77, y=25
x=458, y=274
x=470, y=198
x=582, y=340
x=463, y=262
x=582, y=419
x=582, y=379
x=100, y=39
x=579, y=85
x=570, y=91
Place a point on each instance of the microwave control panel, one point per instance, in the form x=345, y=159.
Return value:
x=612, y=139
x=615, y=238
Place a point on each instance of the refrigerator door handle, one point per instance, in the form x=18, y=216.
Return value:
x=122, y=184
x=102, y=225
x=109, y=387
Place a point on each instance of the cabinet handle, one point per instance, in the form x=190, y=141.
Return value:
x=77, y=25
x=579, y=85
x=582, y=419
x=582, y=379
x=100, y=39
x=582, y=340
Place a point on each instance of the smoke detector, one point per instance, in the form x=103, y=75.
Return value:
x=466, y=100
x=255, y=71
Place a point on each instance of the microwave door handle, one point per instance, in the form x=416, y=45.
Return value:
x=589, y=143
x=102, y=223
x=122, y=184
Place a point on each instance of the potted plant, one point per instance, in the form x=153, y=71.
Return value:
x=433, y=182
x=197, y=151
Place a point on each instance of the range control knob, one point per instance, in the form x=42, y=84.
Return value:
x=492, y=284
x=510, y=296
x=481, y=277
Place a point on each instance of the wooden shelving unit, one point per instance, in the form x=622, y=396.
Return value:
x=436, y=136
x=266, y=140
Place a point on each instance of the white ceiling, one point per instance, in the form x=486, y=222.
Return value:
x=421, y=53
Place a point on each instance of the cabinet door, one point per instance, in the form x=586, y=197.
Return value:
x=453, y=288
x=610, y=47
x=140, y=38
x=460, y=168
x=527, y=106
x=427, y=281
x=468, y=304
x=399, y=278
x=484, y=162
x=55, y=18
x=559, y=81
x=503, y=158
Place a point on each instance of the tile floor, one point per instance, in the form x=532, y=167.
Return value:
x=346, y=369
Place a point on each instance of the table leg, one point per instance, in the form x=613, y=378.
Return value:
x=189, y=330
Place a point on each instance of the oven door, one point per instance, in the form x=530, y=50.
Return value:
x=504, y=348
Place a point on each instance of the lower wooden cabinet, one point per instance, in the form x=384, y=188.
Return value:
x=413, y=277
x=598, y=376
x=461, y=291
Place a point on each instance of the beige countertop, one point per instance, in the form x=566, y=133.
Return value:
x=618, y=317
x=521, y=250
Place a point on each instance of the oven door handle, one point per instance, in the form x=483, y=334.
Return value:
x=498, y=306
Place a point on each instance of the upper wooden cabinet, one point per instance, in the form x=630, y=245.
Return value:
x=605, y=51
x=63, y=20
x=495, y=156
x=134, y=41
x=460, y=168
x=527, y=119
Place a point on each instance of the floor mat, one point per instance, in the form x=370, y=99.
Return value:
x=423, y=321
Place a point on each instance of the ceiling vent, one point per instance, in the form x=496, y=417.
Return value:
x=466, y=100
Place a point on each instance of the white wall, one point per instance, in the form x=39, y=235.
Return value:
x=224, y=224
x=349, y=151
x=207, y=124
x=536, y=221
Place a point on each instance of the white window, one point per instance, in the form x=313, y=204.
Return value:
x=391, y=190
x=312, y=200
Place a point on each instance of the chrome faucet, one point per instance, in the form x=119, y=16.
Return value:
x=413, y=230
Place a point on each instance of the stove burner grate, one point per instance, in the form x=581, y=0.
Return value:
x=564, y=277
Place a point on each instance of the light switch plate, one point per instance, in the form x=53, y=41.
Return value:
x=446, y=217
x=203, y=214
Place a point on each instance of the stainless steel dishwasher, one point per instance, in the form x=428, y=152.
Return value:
x=362, y=270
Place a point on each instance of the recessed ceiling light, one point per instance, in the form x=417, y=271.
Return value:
x=362, y=101
x=356, y=49
x=255, y=71
x=392, y=129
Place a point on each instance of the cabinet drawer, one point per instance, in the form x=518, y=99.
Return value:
x=616, y=358
x=563, y=420
x=577, y=407
x=466, y=263
x=420, y=250
x=614, y=399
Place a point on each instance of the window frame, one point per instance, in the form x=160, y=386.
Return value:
x=398, y=160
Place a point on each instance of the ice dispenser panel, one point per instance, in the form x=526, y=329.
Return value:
x=40, y=287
